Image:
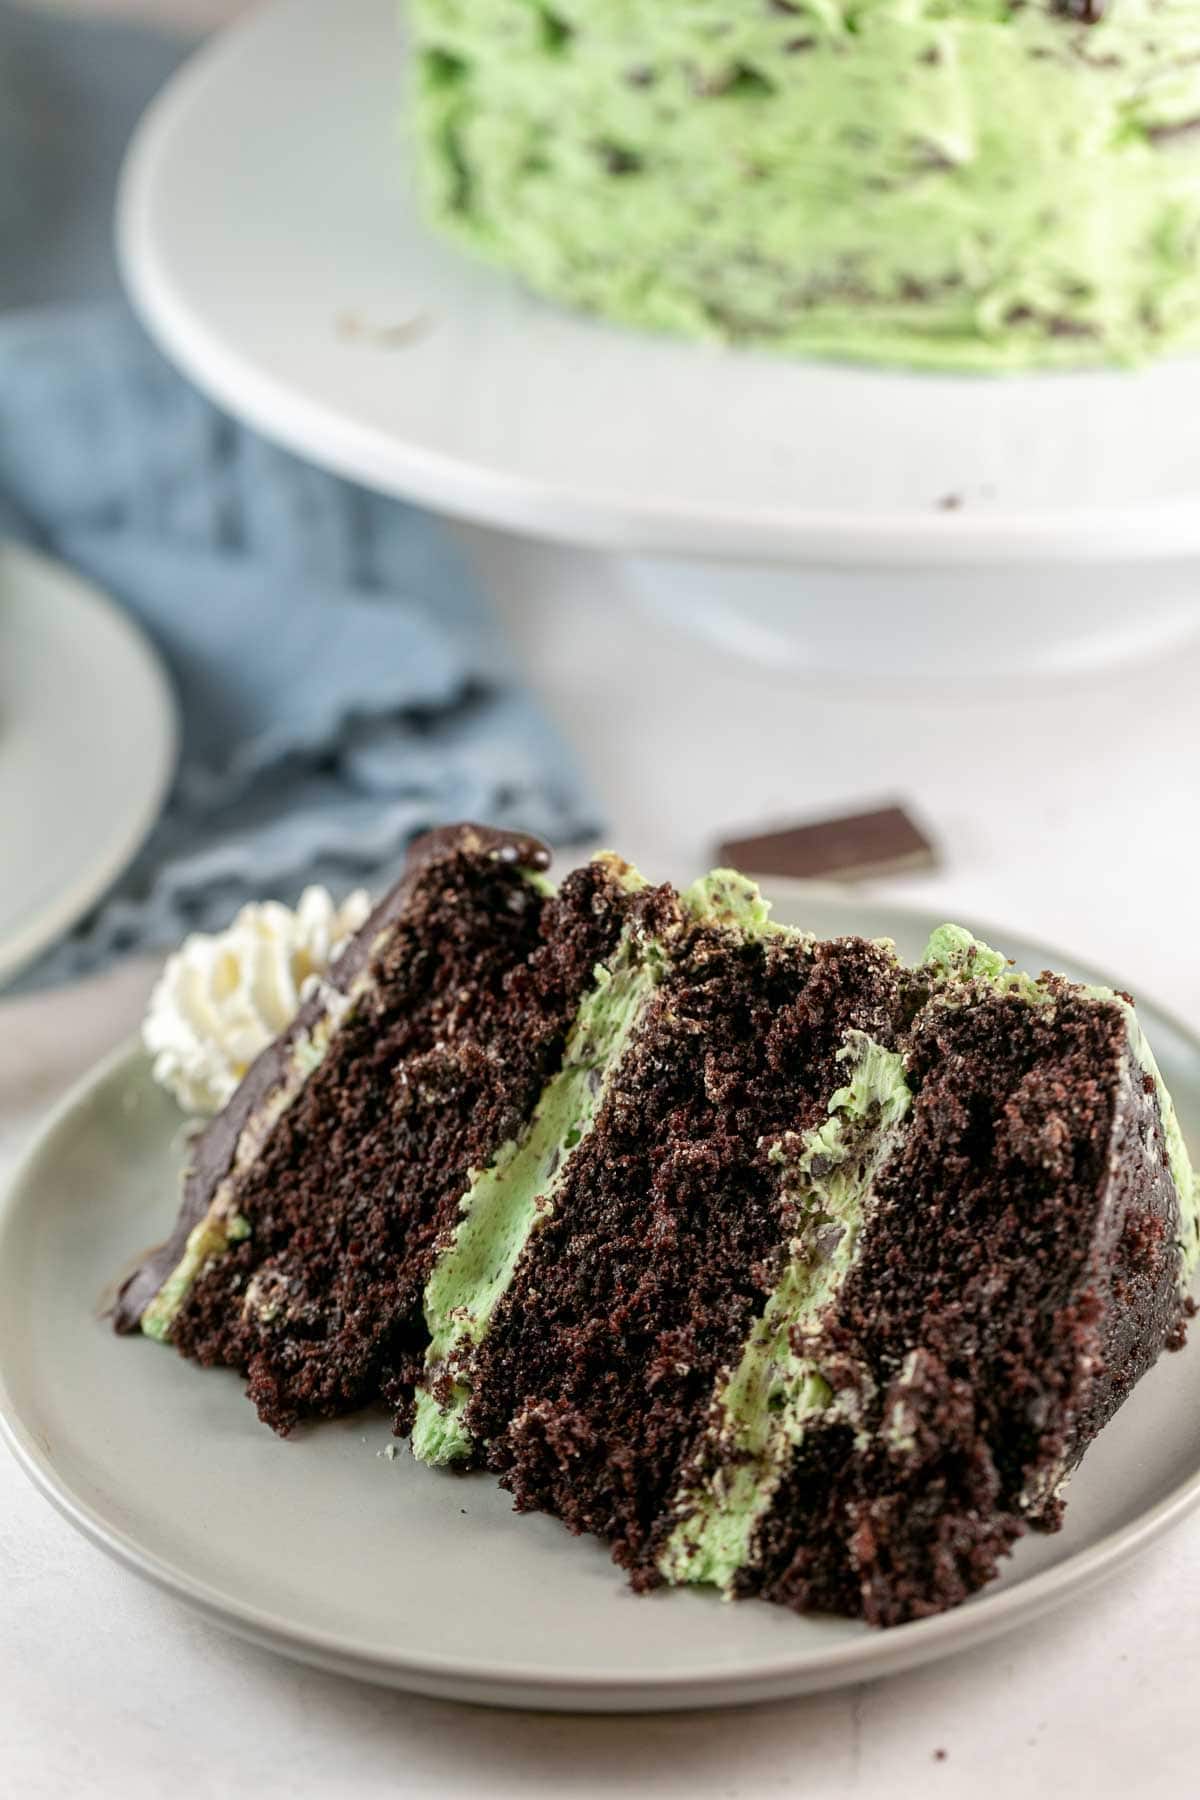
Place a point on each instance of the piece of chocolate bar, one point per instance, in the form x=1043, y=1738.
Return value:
x=849, y=848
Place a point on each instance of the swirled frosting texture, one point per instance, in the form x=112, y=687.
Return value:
x=949, y=183
x=223, y=998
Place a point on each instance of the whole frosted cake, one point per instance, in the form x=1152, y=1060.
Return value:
x=953, y=183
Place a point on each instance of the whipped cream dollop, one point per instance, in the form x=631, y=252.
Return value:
x=222, y=998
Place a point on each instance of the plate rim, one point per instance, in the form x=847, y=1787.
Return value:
x=482, y=491
x=528, y=1685
x=21, y=947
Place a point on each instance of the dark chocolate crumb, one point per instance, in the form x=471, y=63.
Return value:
x=620, y=161
x=1165, y=134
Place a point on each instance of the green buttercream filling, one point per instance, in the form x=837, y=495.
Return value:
x=627, y=878
x=210, y=1238
x=775, y=1392
x=954, y=955
x=507, y=1202
x=727, y=899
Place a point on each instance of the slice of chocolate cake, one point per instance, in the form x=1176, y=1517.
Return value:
x=783, y=1267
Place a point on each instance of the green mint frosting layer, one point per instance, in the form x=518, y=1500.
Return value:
x=210, y=1238
x=775, y=1393
x=733, y=903
x=971, y=184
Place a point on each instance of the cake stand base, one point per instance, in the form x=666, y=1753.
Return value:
x=926, y=622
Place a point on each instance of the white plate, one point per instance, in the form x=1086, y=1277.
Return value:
x=87, y=748
x=323, y=1549
x=266, y=208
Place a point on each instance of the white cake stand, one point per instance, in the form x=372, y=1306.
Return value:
x=817, y=515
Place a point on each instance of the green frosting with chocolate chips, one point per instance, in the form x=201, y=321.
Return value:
x=970, y=184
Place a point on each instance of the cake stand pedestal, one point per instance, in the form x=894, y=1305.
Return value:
x=925, y=623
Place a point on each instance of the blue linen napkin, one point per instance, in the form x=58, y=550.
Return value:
x=340, y=681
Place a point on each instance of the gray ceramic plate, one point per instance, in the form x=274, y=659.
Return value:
x=324, y=1549
x=87, y=748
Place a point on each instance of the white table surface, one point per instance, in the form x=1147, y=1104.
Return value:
x=1067, y=811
